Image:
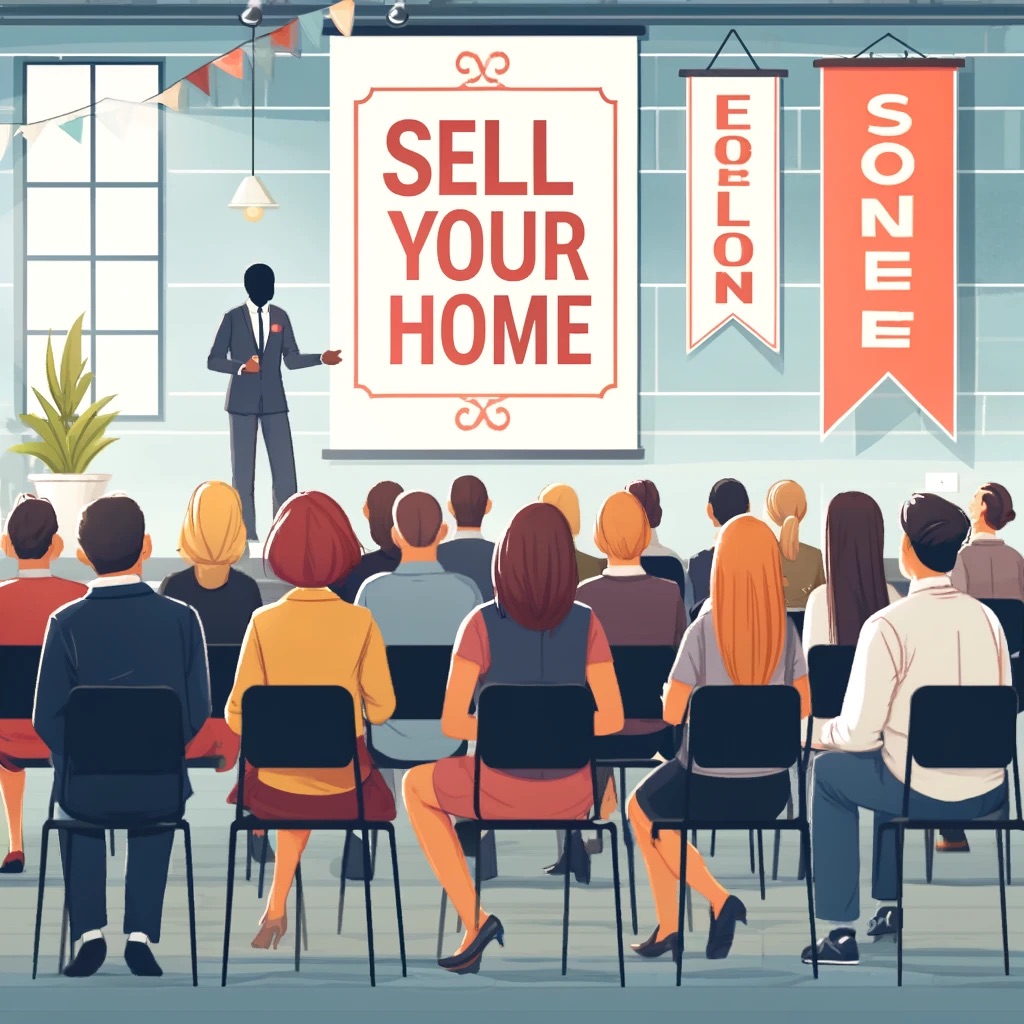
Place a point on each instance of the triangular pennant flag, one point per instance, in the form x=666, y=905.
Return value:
x=232, y=63
x=312, y=28
x=263, y=57
x=344, y=15
x=200, y=78
x=31, y=132
x=174, y=97
x=117, y=116
x=6, y=131
x=74, y=127
x=287, y=38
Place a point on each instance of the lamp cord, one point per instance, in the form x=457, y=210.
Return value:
x=252, y=105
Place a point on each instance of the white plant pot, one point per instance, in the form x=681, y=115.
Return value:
x=69, y=493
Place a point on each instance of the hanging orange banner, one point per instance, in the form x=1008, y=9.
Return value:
x=888, y=233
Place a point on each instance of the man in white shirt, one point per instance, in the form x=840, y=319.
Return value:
x=936, y=636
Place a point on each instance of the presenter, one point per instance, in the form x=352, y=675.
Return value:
x=251, y=343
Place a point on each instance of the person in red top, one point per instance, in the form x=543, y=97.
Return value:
x=26, y=604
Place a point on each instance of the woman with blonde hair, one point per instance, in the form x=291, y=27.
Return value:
x=802, y=567
x=745, y=639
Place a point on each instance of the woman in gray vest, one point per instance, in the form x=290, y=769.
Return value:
x=533, y=630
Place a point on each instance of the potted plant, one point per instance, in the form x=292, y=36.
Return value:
x=68, y=440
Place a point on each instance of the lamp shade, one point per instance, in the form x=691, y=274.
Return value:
x=252, y=193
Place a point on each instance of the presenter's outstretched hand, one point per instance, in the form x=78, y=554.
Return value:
x=332, y=357
x=252, y=365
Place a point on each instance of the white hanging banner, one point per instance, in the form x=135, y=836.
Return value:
x=732, y=203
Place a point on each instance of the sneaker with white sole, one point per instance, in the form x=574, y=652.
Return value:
x=839, y=949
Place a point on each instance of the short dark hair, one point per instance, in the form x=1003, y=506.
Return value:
x=936, y=529
x=31, y=525
x=111, y=532
x=646, y=492
x=380, y=504
x=728, y=499
x=418, y=517
x=469, y=501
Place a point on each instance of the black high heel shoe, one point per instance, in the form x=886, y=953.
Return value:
x=723, y=928
x=653, y=948
x=575, y=859
x=468, y=961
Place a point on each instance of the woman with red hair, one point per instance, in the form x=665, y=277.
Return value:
x=311, y=636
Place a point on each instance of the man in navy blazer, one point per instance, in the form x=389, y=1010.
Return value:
x=251, y=343
x=122, y=633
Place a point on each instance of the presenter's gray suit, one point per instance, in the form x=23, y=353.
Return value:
x=256, y=400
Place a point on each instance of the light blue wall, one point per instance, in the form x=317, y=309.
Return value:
x=727, y=410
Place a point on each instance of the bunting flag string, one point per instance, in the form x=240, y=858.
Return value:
x=232, y=63
x=200, y=78
x=287, y=38
x=343, y=15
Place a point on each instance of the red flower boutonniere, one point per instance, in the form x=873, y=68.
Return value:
x=276, y=328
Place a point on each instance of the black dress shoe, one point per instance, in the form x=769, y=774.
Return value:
x=468, y=961
x=885, y=922
x=140, y=960
x=88, y=960
x=723, y=928
x=574, y=858
x=654, y=948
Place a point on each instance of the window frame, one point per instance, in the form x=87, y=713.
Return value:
x=92, y=259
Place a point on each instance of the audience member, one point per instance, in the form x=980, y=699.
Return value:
x=745, y=640
x=802, y=567
x=121, y=633
x=728, y=499
x=987, y=567
x=378, y=513
x=468, y=553
x=533, y=630
x=657, y=559
x=311, y=637
x=935, y=637
x=855, y=586
x=26, y=604
x=565, y=499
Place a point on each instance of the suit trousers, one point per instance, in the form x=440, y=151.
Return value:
x=85, y=853
x=277, y=437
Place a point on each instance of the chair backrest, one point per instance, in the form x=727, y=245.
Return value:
x=535, y=726
x=298, y=727
x=19, y=667
x=642, y=673
x=1010, y=613
x=666, y=567
x=223, y=662
x=744, y=726
x=828, y=671
x=695, y=611
x=419, y=675
x=796, y=616
x=963, y=726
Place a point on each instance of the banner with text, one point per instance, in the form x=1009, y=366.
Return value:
x=483, y=243
x=888, y=216
x=732, y=203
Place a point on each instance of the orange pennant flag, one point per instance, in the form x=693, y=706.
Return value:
x=287, y=37
x=233, y=63
x=343, y=15
x=200, y=78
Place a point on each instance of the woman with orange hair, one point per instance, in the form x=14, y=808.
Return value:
x=803, y=570
x=745, y=639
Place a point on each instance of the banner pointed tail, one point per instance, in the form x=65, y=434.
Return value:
x=888, y=215
x=732, y=255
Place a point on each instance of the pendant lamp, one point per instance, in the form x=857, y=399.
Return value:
x=252, y=196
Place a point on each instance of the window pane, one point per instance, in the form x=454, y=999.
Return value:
x=129, y=367
x=127, y=222
x=127, y=137
x=58, y=221
x=127, y=296
x=53, y=89
x=57, y=292
x=35, y=364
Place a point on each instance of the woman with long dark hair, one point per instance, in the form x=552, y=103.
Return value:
x=379, y=513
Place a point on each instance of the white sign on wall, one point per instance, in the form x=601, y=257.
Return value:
x=484, y=243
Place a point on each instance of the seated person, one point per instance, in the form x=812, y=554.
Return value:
x=377, y=512
x=565, y=499
x=656, y=555
x=802, y=567
x=468, y=553
x=719, y=649
x=311, y=544
x=533, y=611
x=122, y=633
x=936, y=636
x=26, y=604
x=987, y=567
x=728, y=499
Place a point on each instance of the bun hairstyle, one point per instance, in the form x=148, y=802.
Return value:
x=646, y=492
x=786, y=506
x=997, y=506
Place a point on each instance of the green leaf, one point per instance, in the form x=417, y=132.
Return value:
x=51, y=375
x=57, y=425
x=53, y=439
x=40, y=451
x=81, y=389
x=88, y=427
x=71, y=357
x=82, y=461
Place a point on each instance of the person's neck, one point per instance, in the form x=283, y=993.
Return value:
x=982, y=529
x=467, y=529
x=623, y=563
x=927, y=574
x=419, y=554
x=135, y=570
x=25, y=564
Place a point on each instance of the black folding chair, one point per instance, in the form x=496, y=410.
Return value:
x=985, y=737
x=666, y=567
x=98, y=752
x=741, y=727
x=295, y=727
x=526, y=727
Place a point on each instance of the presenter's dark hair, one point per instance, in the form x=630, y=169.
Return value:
x=31, y=526
x=936, y=529
x=111, y=532
x=258, y=277
x=312, y=543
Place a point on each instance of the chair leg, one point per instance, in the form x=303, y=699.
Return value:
x=714, y=835
x=618, y=904
x=805, y=856
x=682, y=901
x=627, y=839
x=341, y=885
x=1002, y=903
x=369, y=907
x=760, y=859
x=689, y=908
x=299, y=910
x=478, y=876
x=929, y=854
x=232, y=850
x=440, y=924
x=398, y=899
x=263, y=865
x=39, y=899
x=248, y=859
x=1009, y=876
x=750, y=840
x=778, y=843
x=112, y=850
x=899, y=906
x=190, y=883
x=565, y=911
x=65, y=921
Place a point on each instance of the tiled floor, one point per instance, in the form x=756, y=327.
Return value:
x=953, y=963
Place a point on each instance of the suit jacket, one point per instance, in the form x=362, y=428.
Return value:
x=472, y=557
x=256, y=394
x=120, y=636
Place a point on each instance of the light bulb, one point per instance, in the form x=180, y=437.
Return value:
x=254, y=213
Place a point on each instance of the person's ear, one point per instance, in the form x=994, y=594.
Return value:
x=451, y=510
x=366, y=512
x=488, y=507
x=56, y=548
x=711, y=515
x=7, y=547
x=442, y=533
x=84, y=559
x=147, y=548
